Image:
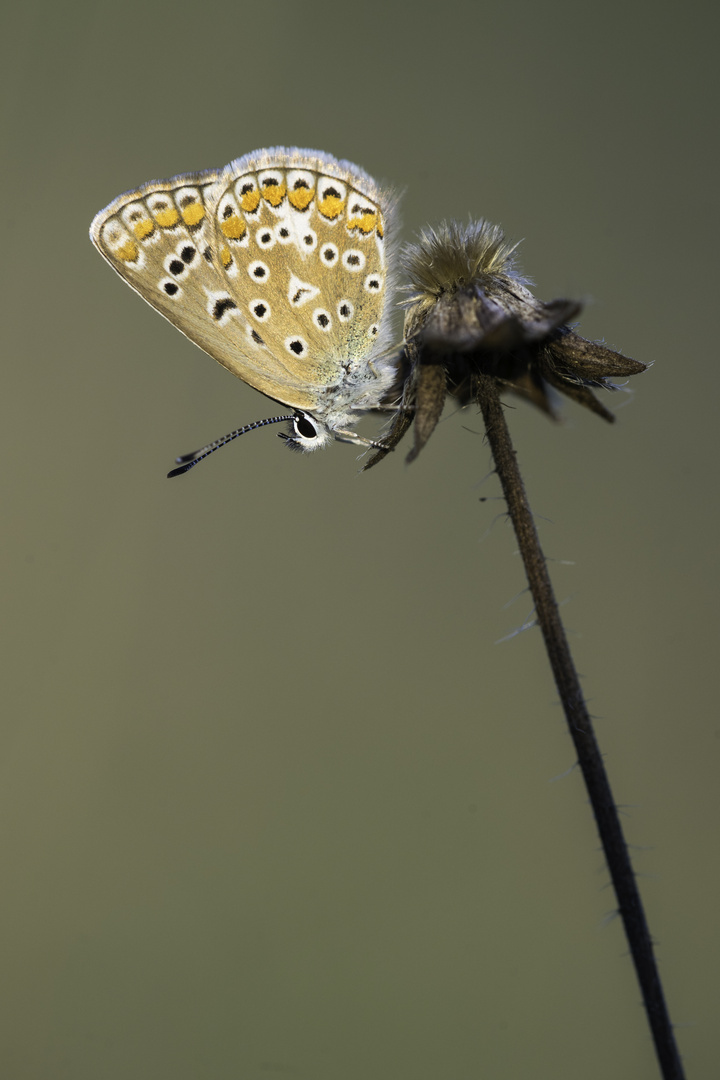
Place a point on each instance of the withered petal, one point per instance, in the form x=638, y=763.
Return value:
x=551, y=315
x=401, y=422
x=590, y=359
x=581, y=393
x=408, y=366
x=429, y=404
x=534, y=389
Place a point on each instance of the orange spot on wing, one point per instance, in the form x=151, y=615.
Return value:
x=331, y=207
x=233, y=227
x=128, y=251
x=250, y=200
x=193, y=213
x=167, y=218
x=143, y=228
x=301, y=197
x=274, y=193
x=365, y=222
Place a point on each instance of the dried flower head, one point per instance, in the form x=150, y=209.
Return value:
x=470, y=311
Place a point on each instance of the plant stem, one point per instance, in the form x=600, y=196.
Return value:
x=581, y=730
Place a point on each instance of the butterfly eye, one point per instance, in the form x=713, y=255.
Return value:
x=304, y=427
x=306, y=433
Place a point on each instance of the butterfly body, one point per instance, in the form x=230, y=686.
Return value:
x=276, y=266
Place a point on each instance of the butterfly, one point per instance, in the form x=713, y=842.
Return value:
x=278, y=267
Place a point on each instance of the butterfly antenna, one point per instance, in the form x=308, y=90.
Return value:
x=187, y=461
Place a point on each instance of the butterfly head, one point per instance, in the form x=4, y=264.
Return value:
x=306, y=433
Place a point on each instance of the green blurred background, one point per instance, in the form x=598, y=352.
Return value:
x=276, y=798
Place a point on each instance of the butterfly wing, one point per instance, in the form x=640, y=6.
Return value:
x=160, y=239
x=300, y=239
x=275, y=266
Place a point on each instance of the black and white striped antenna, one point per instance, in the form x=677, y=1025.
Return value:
x=187, y=461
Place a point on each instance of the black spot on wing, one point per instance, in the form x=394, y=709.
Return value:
x=222, y=306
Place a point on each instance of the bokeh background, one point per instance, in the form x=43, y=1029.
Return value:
x=283, y=793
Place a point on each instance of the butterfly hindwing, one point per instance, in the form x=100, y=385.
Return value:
x=303, y=255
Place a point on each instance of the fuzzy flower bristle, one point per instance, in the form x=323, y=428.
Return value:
x=452, y=256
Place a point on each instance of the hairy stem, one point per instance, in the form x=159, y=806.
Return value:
x=581, y=731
